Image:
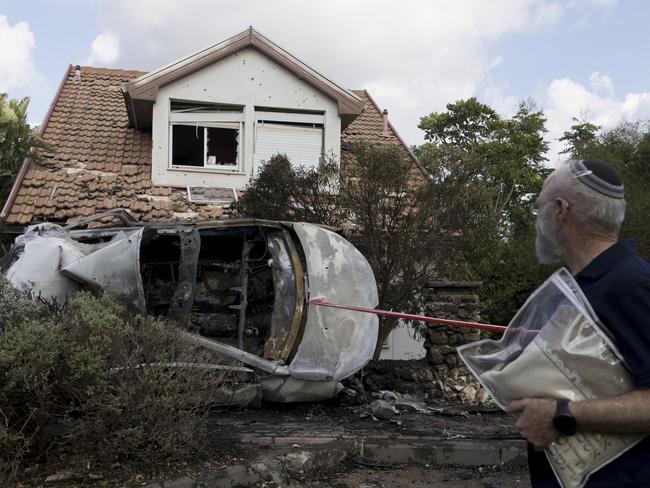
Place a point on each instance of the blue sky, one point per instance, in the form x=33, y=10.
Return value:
x=585, y=58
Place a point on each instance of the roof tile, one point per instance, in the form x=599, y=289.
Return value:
x=100, y=163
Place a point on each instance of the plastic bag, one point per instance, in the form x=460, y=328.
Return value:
x=555, y=347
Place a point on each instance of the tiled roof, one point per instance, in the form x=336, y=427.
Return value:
x=99, y=162
x=368, y=127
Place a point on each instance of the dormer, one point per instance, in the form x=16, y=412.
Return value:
x=217, y=114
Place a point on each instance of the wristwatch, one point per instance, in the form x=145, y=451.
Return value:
x=563, y=420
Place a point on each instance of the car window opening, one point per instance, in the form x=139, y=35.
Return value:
x=218, y=296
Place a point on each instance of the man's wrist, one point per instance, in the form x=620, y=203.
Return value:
x=564, y=421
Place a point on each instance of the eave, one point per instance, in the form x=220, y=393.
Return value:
x=141, y=93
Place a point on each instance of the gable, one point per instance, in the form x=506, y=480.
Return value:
x=247, y=77
x=141, y=93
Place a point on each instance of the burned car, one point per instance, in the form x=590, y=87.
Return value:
x=240, y=287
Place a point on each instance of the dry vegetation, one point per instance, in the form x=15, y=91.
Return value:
x=97, y=384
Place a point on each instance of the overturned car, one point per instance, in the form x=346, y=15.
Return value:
x=240, y=287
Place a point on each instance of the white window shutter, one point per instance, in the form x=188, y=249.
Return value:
x=302, y=145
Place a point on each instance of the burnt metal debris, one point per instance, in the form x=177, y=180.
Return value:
x=240, y=287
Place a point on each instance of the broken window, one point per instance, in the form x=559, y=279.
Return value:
x=195, y=145
x=206, y=135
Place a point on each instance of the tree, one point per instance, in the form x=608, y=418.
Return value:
x=503, y=163
x=17, y=141
x=392, y=221
x=579, y=138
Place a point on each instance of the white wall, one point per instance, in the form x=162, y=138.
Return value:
x=246, y=78
x=403, y=344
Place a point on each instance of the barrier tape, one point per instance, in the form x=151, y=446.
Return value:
x=322, y=302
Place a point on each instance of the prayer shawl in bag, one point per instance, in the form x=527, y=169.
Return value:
x=555, y=347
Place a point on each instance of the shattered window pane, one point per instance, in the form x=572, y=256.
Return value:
x=222, y=146
x=187, y=145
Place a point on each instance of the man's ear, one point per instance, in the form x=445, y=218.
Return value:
x=561, y=209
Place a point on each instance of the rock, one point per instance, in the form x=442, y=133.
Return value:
x=434, y=357
x=427, y=375
x=183, y=482
x=451, y=360
x=472, y=336
x=297, y=462
x=442, y=369
x=482, y=396
x=468, y=394
x=438, y=338
x=61, y=476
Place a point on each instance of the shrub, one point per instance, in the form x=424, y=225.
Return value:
x=95, y=381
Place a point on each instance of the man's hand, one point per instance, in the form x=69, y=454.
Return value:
x=535, y=421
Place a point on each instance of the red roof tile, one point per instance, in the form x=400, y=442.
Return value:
x=99, y=162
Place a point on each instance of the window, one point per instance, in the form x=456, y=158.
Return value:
x=298, y=134
x=205, y=136
x=302, y=143
x=197, y=145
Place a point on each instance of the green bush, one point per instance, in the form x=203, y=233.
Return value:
x=93, y=381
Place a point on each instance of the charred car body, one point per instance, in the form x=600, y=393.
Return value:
x=243, y=285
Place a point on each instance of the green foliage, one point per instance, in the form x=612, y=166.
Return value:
x=94, y=382
x=579, y=138
x=510, y=151
x=495, y=167
x=465, y=124
x=282, y=191
x=17, y=139
x=392, y=221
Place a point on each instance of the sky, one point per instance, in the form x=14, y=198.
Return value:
x=576, y=58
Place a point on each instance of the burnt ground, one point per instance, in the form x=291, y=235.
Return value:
x=331, y=420
x=286, y=428
x=317, y=446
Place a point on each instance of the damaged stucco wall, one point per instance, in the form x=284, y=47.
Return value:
x=247, y=78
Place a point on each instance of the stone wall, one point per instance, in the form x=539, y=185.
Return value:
x=454, y=301
x=441, y=375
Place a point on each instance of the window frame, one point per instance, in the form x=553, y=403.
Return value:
x=288, y=120
x=205, y=120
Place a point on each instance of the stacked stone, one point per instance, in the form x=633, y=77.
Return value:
x=453, y=301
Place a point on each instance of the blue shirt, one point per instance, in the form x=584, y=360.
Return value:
x=617, y=285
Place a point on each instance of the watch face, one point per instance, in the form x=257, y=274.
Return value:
x=566, y=424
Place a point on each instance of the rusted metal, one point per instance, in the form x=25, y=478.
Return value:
x=183, y=299
x=243, y=291
x=285, y=305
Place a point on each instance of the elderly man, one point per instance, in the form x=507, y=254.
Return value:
x=579, y=215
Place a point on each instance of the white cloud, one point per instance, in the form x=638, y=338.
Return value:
x=603, y=3
x=16, y=61
x=601, y=84
x=105, y=49
x=414, y=57
x=566, y=99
